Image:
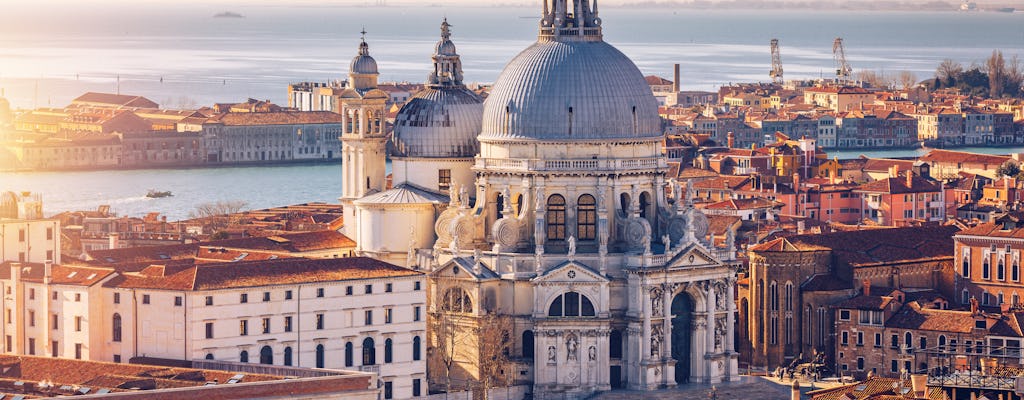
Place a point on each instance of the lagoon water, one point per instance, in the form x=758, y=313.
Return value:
x=177, y=54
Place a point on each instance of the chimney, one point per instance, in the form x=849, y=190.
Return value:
x=795, y=393
x=15, y=273
x=910, y=179
x=115, y=240
x=730, y=139
x=867, y=287
x=675, y=80
x=919, y=383
x=894, y=171
x=796, y=182
x=974, y=306
x=47, y=272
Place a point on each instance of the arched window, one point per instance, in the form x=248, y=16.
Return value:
x=319, y=356
x=266, y=355
x=965, y=266
x=922, y=342
x=645, y=203
x=1001, y=269
x=1015, y=271
x=908, y=340
x=571, y=304
x=243, y=356
x=1014, y=299
x=773, y=296
x=388, y=346
x=789, y=296
x=369, y=352
x=555, y=217
x=499, y=205
x=348, y=354
x=288, y=356
x=586, y=218
x=624, y=201
x=528, y=344
x=942, y=342
x=209, y=356
x=117, y=327
x=986, y=268
x=615, y=344
x=457, y=300
x=416, y=348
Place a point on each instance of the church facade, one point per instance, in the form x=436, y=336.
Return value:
x=544, y=208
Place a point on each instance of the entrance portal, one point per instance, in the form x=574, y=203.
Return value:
x=682, y=318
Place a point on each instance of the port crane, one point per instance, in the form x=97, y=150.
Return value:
x=843, y=70
x=776, y=72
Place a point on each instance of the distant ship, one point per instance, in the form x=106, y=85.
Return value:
x=228, y=14
x=1006, y=9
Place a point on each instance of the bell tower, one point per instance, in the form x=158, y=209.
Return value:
x=363, y=134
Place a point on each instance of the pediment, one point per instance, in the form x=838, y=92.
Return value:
x=569, y=272
x=463, y=268
x=693, y=256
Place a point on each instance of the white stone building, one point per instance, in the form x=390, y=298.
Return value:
x=566, y=229
x=25, y=236
x=339, y=313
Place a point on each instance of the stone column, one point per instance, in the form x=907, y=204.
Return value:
x=709, y=337
x=730, y=318
x=666, y=300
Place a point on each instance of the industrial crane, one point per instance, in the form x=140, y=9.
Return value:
x=776, y=72
x=843, y=70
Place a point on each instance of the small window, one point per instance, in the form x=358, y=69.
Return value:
x=78, y=297
x=177, y=301
x=416, y=313
x=117, y=297
x=209, y=330
x=979, y=324
x=387, y=315
x=368, y=289
x=78, y=323
x=369, y=317
x=145, y=299
x=31, y=293
x=243, y=298
x=444, y=179
x=320, y=291
x=387, y=288
x=844, y=315
x=287, y=294
x=288, y=323
x=209, y=300
x=266, y=296
x=243, y=327
x=416, y=285
x=266, y=325
x=348, y=290
x=320, y=322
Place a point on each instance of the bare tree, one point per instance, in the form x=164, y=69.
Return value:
x=906, y=79
x=450, y=334
x=495, y=345
x=995, y=65
x=1014, y=76
x=948, y=71
x=217, y=215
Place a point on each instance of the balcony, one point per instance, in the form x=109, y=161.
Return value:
x=589, y=164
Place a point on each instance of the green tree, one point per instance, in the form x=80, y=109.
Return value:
x=1008, y=168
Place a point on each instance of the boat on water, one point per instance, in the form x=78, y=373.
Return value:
x=228, y=14
x=155, y=194
x=1006, y=9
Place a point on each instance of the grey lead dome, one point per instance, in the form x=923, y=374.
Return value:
x=439, y=123
x=570, y=89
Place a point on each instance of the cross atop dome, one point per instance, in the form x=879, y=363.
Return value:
x=445, y=29
x=364, y=49
x=570, y=20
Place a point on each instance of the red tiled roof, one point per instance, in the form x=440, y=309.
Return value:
x=259, y=273
x=862, y=302
x=60, y=274
x=872, y=246
x=913, y=316
x=899, y=186
x=656, y=80
x=950, y=156
x=276, y=118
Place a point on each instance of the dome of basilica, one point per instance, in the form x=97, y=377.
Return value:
x=570, y=89
x=439, y=122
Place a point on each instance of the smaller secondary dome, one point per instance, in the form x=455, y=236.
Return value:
x=442, y=120
x=363, y=64
x=439, y=123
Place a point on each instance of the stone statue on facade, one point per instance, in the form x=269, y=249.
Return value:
x=551, y=354
x=666, y=240
x=464, y=197
x=646, y=241
x=571, y=241
x=571, y=345
x=593, y=353
x=657, y=306
x=655, y=346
